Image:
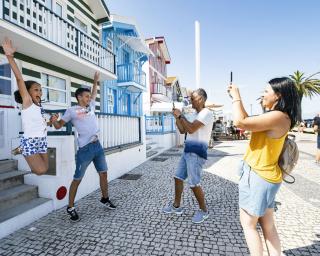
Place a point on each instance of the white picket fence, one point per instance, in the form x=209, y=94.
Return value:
x=116, y=130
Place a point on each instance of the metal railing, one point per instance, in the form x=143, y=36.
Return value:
x=115, y=130
x=130, y=73
x=160, y=124
x=36, y=18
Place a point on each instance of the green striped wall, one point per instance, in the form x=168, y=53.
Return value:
x=85, y=9
x=36, y=74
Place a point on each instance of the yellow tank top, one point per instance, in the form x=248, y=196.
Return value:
x=263, y=154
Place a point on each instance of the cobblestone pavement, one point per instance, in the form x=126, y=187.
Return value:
x=138, y=227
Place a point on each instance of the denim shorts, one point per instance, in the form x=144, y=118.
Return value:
x=31, y=146
x=256, y=194
x=92, y=152
x=190, y=166
x=318, y=141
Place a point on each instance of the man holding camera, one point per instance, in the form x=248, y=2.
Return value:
x=194, y=155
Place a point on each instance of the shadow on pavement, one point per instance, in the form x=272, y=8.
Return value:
x=311, y=250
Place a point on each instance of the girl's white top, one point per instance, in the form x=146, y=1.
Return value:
x=33, y=123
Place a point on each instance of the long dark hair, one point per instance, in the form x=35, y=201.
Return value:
x=289, y=101
x=17, y=95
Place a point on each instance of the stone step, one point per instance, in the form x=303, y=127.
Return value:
x=14, y=196
x=8, y=165
x=11, y=179
x=151, y=143
x=21, y=208
x=23, y=214
x=149, y=147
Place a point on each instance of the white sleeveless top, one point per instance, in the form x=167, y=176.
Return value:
x=33, y=123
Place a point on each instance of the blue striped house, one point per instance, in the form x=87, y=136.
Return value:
x=124, y=95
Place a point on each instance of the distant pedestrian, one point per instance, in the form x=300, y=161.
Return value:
x=316, y=127
x=260, y=174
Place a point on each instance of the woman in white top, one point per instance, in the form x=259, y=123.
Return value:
x=34, y=141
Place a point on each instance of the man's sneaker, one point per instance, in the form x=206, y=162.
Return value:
x=74, y=217
x=171, y=209
x=200, y=216
x=106, y=202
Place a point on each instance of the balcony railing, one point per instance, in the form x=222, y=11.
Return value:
x=160, y=124
x=158, y=88
x=36, y=18
x=116, y=131
x=130, y=73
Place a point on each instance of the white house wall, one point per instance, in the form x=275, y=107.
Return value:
x=65, y=166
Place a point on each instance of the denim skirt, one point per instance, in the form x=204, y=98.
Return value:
x=256, y=194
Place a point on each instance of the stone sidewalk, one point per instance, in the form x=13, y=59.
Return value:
x=138, y=227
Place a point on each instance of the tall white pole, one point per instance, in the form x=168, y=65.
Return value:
x=197, y=50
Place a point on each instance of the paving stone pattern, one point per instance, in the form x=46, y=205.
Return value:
x=137, y=226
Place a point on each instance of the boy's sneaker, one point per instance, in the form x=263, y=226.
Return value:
x=106, y=202
x=200, y=216
x=74, y=217
x=171, y=209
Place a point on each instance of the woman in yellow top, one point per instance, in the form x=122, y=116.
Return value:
x=260, y=175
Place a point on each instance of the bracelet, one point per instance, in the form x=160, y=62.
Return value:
x=235, y=101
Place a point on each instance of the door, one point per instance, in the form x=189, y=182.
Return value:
x=114, y=92
x=10, y=121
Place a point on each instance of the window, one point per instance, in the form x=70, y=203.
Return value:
x=59, y=9
x=80, y=25
x=54, y=89
x=5, y=78
x=109, y=45
x=47, y=3
x=111, y=96
x=125, y=104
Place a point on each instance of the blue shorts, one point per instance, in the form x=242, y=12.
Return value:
x=92, y=152
x=190, y=166
x=256, y=194
x=32, y=146
x=318, y=141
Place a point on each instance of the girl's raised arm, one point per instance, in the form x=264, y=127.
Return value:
x=9, y=51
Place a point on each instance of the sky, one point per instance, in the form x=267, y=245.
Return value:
x=256, y=40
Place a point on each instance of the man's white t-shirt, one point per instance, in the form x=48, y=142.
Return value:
x=198, y=141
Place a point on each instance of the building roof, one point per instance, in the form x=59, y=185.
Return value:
x=170, y=80
x=127, y=30
x=124, y=22
x=163, y=45
x=99, y=8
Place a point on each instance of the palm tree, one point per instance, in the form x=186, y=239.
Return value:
x=307, y=87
